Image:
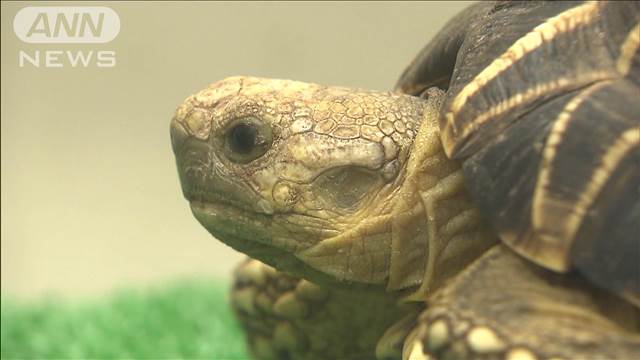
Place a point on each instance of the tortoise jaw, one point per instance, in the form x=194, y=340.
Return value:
x=231, y=224
x=260, y=235
x=202, y=196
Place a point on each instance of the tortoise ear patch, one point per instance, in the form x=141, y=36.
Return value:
x=345, y=187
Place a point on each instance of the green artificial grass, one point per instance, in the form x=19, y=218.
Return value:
x=189, y=319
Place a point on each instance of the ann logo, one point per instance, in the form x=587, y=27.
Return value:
x=62, y=26
x=66, y=25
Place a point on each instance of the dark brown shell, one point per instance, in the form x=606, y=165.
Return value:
x=543, y=107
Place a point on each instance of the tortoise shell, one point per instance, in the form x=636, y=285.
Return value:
x=543, y=108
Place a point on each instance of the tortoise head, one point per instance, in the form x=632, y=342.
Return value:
x=300, y=176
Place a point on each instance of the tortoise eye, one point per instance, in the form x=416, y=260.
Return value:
x=247, y=139
x=242, y=138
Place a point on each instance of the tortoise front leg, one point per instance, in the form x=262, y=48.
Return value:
x=503, y=307
x=286, y=317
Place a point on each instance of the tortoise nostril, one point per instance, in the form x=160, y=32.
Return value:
x=178, y=135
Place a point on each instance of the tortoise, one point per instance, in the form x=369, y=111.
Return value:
x=487, y=207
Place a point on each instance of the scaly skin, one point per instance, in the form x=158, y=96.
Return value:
x=286, y=317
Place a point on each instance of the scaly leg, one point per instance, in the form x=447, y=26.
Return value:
x=504, y=307
x=286, y=317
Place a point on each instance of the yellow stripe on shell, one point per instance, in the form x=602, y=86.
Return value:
x=628, y=50
x=561, y=23
x=535, y=92
x=544, y=202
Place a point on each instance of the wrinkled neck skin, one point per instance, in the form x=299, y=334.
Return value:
x=336, y=185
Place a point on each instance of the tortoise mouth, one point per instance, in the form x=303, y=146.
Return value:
x=229, y=221
x=201, y=198
x=243, y=228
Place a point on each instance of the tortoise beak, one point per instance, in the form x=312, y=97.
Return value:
x=178, y=135
x=203, y=176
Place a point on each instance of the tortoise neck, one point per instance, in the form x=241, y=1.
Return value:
x=436, y=228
